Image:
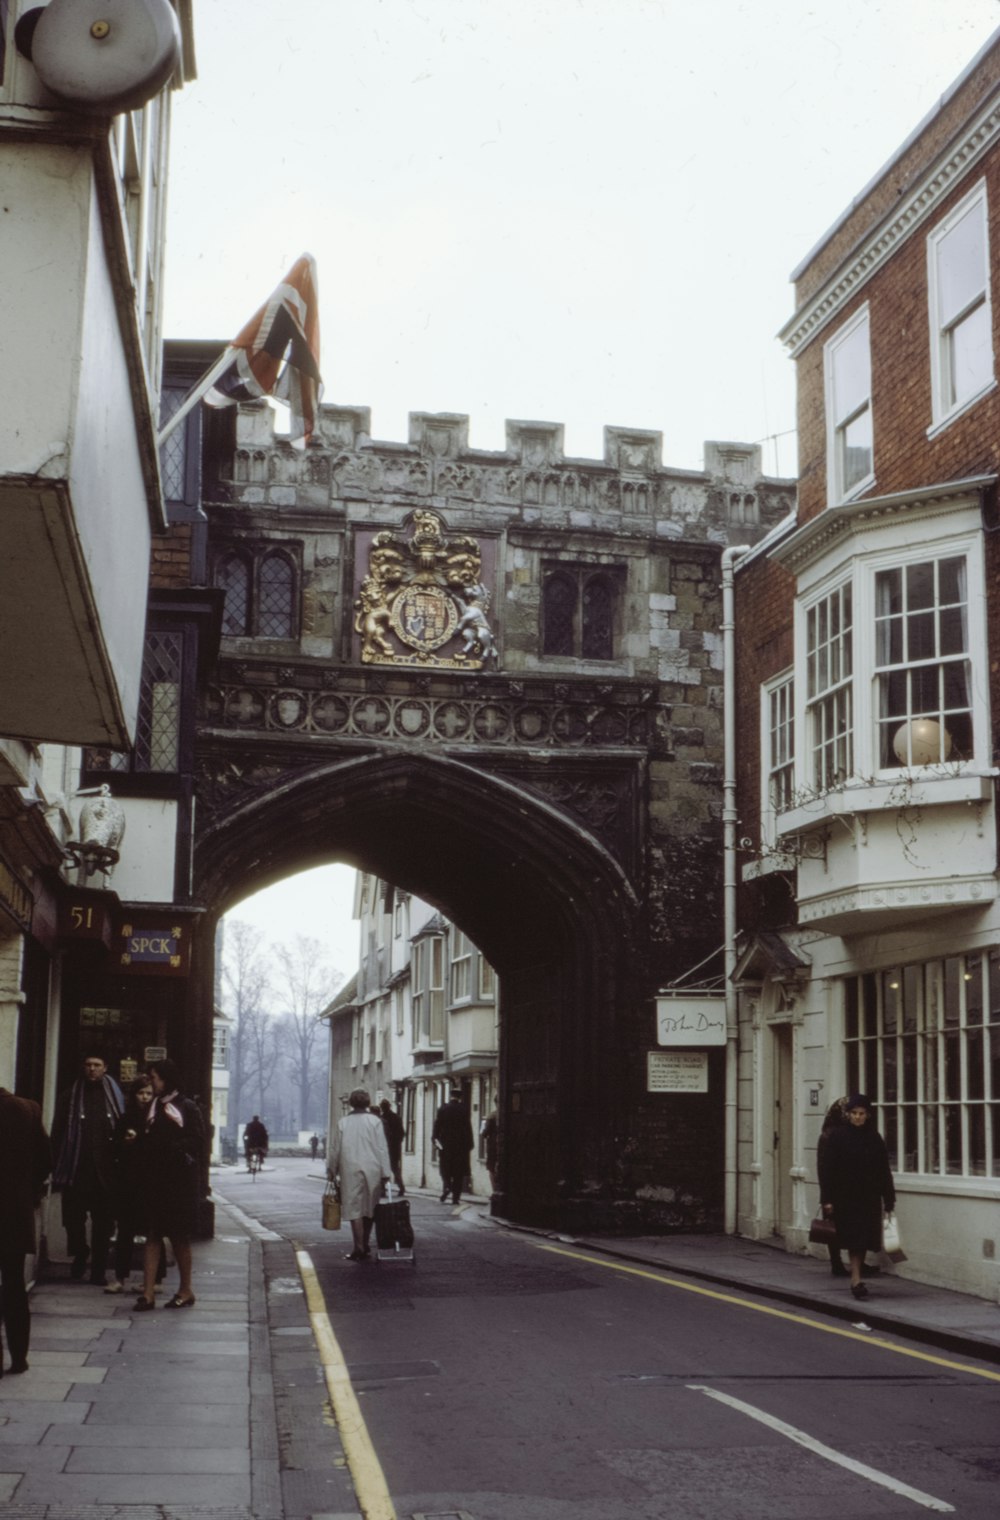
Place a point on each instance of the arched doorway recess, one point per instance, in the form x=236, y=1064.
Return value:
x=545, y=901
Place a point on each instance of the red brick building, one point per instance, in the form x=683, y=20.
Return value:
x=868, y=651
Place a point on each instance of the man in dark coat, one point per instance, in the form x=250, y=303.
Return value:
x=452, y=1133
x=83, y=1145
x=25, y=1144
x=394, y=1133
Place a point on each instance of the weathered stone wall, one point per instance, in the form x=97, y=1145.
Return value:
x=628, y=747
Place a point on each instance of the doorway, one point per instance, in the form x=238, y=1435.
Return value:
x=783, y=1126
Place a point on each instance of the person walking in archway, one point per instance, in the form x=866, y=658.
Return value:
x=359, y=1164
x=393, y=1126
x=452, y=1133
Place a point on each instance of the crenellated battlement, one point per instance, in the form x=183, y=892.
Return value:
x=532, y=479
x=531, y=444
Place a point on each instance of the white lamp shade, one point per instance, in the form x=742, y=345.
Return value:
x=921, y=742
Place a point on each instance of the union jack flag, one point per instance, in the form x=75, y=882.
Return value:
x=277, y=353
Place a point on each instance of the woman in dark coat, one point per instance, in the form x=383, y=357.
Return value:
x=172, y=1155
x=856, y=1186
x=835, y=1118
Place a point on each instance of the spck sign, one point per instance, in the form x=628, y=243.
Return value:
x=155, y=950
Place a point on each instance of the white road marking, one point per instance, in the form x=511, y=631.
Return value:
x=811, y=1444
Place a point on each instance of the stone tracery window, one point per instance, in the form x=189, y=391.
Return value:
x=261, y=593
x=578, y=611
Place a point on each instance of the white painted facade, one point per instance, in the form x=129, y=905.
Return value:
x=423, y=1020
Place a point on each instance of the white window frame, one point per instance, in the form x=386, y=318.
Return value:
x=838, y=421
x=428, y=991
x=777, y=718
x=860, y=571
x=813, y=710
x=461, y=967
x=934, y=1100
x=945, y=406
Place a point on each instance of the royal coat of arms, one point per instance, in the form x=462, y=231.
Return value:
x=423, y=600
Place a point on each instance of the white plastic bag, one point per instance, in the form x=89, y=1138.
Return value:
x=890, y=1239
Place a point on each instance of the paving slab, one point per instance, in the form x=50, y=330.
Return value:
x=208, y=1491
x=175, y=1459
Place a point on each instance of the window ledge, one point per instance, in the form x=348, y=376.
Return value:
x=935, y=1183
x=945, y=422
x=910, y=789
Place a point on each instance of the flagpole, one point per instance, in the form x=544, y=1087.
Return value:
x=196, y=392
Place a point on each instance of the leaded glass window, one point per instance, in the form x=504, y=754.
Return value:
x=157, y=738
x=274, y=616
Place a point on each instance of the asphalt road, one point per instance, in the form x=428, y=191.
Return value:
x=510, y=1377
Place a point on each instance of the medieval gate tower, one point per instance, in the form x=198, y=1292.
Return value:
x=494, y=679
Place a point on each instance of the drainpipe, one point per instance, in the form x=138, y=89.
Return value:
x=729, y=822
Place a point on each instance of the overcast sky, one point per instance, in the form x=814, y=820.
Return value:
x=579, y=211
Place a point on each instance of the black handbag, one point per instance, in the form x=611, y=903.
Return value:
x=823, y=1231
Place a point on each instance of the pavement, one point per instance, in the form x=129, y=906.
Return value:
x=221, y=1412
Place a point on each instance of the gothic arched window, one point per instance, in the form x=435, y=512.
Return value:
x=579, y=610
x=275, y=598
x=232, y=574
x=559, y=614
x=598, y=619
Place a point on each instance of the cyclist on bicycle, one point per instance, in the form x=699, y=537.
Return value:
x=255, y=1138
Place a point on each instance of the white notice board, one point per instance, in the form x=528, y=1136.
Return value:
x=677, y=1071
x=691, y=1020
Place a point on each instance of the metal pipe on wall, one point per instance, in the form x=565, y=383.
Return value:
x=729, y=822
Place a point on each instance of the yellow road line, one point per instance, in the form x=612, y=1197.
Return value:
x=864, y=1337
x=366, y=1471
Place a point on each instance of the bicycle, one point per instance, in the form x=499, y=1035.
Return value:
x=255, y=1160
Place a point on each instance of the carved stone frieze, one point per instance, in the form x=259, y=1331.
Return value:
x=501, y=719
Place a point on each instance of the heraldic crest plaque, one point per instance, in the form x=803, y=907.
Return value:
x=423, y=600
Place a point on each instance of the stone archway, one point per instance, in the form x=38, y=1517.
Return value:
x=544, y=899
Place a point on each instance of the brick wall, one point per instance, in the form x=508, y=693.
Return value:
x=170, y=558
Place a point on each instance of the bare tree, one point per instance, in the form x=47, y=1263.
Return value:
x=309, y=983
x=253, y=1045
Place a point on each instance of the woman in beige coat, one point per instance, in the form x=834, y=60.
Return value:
x=358, y=1162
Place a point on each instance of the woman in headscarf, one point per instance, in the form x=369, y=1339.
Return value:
x=172, y=1155
x=856, y=1185
x=359, y=1161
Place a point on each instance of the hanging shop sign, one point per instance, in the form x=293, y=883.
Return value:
x=149, y=946
x=669, y=1071
x=690, y=1018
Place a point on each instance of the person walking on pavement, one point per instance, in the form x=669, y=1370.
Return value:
x=359, y=1164
x=22, y=1141
x=170, y=1169
x=491, y=1139
x=835, y=1118
x=452, y=1133
x=82, y=1142
x=393, y=1126
x=856, y=1186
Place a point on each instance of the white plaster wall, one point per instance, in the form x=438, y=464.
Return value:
x=145, y=872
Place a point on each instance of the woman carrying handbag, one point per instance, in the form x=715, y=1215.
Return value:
x=856, y=1186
